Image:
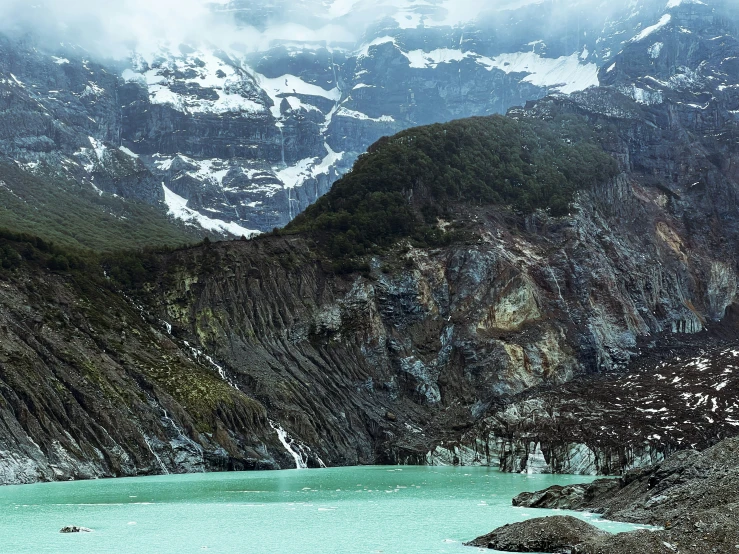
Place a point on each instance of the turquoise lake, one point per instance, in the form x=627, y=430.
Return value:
x=408, y=510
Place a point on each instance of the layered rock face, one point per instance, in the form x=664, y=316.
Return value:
x=538, y=301
x=91, y=388
x=442, y=338
x=679, y=388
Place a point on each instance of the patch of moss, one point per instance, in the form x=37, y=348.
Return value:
x=202, y=393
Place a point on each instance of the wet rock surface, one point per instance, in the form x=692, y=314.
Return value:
x=91, y=388
x=546, y=534
x=75, y=529
x=692, y=495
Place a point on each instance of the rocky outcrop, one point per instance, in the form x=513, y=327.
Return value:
x=570, y=497
x=546, y=534
x=667, y=494
x=438, y=337
x=75, y=529
x=91, y=386
x=692, y=495
x=670, y=399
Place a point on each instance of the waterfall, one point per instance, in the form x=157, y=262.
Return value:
x=333, y=67
x=183, y=436
x=282, y=144
x=289, y=204
x=290, y=445
x=156, y=456
x=559, y=290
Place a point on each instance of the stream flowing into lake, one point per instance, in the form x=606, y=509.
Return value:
x=402, y=510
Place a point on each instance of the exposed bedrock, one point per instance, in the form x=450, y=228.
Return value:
x=692, y=496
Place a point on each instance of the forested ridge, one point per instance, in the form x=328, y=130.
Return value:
x=405, y=184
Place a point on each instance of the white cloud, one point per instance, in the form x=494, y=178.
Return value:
x=114, y=27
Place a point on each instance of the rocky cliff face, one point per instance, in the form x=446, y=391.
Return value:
x=430, y=344
x=673, y=83
x=93, y=387
x=690, y=496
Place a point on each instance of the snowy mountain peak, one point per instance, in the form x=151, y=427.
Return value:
x=250, y=127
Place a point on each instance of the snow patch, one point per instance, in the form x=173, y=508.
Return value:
x=642, y=96
x=287, y=85
x=421, y=60
x=655, y=50
x=345, y=112
x=295, y=175
x=207, y=74
x=363, y=52
x=98, y=147
x=179, y=210
x=566, y=74
x=127, y=152
x=664, y=20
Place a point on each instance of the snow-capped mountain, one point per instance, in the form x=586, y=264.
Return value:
x=241, y=137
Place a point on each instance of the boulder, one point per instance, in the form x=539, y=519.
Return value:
x=546, y=534
x=570, y=497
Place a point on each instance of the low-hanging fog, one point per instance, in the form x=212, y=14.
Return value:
x=113, y=29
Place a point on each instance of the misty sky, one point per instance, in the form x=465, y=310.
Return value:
x=114, y=28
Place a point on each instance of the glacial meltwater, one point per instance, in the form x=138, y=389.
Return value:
x=403, y=510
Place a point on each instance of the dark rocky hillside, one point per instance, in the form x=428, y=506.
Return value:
x=91, y=386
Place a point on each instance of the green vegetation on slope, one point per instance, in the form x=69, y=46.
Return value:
x=127, y=269
x=74, y=215
x=401, y=188
x=18, y=249
x=406, y=182
x=136, y=357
